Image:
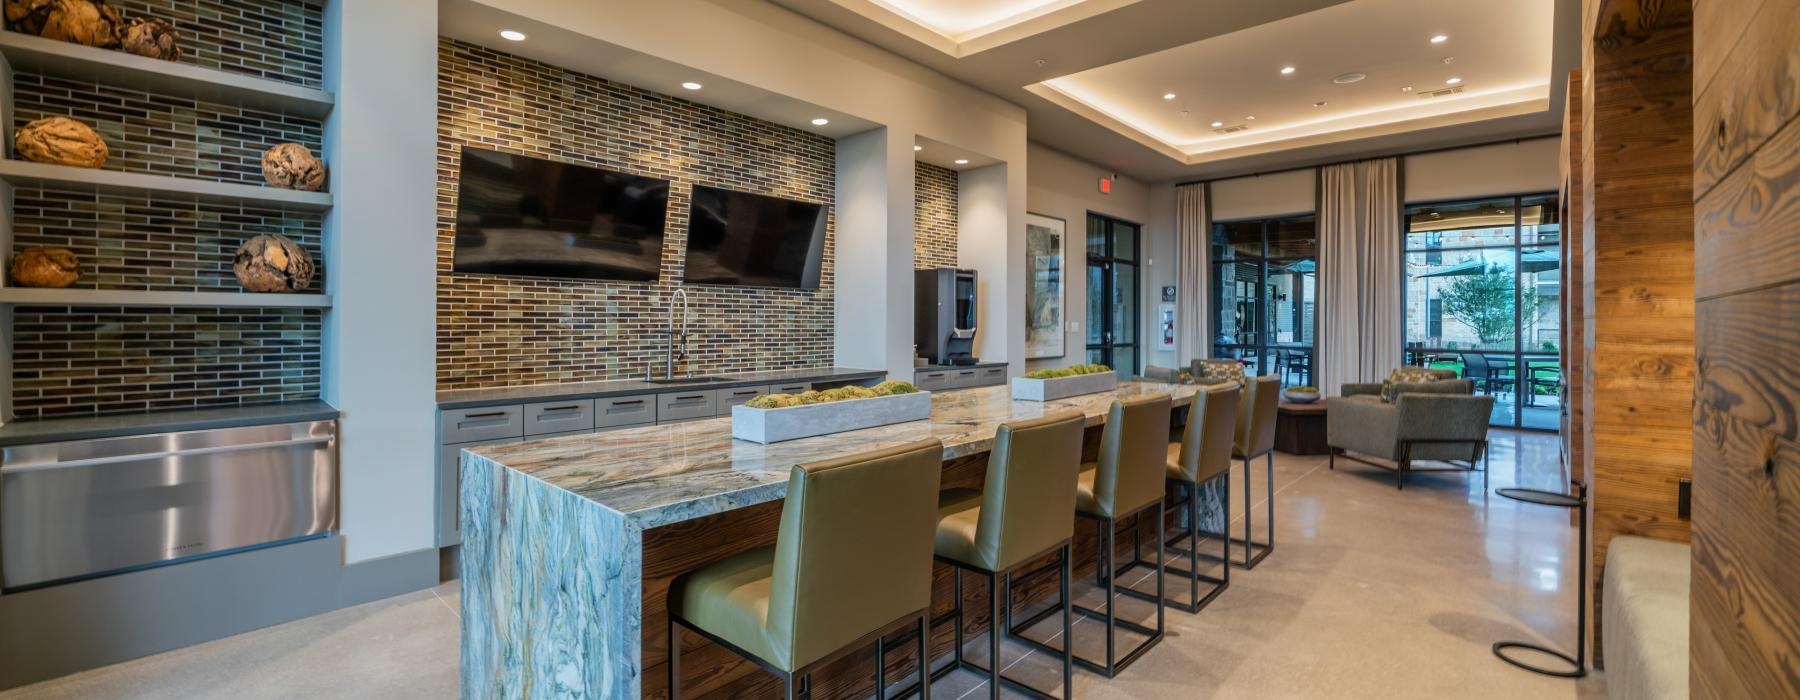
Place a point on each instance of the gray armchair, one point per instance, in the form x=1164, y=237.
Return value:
x=1439, y=421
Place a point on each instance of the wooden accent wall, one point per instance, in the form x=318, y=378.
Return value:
x=1744, y=628
x=1638, y=269
x=1573, y=312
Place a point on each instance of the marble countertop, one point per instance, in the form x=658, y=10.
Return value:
x=30, y=432
x=498, y=396
x=657, y=475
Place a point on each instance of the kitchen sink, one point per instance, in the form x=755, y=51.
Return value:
x=684, y=381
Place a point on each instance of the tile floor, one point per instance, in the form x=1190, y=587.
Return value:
x=1371, y=593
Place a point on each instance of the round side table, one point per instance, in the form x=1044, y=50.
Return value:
x=1578, y=663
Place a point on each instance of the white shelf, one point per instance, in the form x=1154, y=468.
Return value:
x=107, y=297
x=21, y=172
x=25, y=52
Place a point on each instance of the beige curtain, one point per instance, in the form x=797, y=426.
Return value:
x=1359, y=273
x=1192, y=235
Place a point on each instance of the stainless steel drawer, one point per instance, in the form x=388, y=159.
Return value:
x=625, y=410
x=993, y=376
x=72, y=510
x=478, y=424
x=449, y=510
x=559, y=416
x=964, y=378
x=733, y=397
x=935, y=380
x=686, y=405
x=799, y=388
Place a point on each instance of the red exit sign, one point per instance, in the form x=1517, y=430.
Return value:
x=1106, y=185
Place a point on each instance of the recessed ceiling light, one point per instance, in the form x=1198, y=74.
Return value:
x=1320, y=103
x=962, y=161
x=691, y=85
x=821, y=121
x=1218, y=124
x=1168, y=95
x=1287, y=70
x=1453, y=81
x=1406, y=88
x=512, y=35
x=916, y=149
x=1250, y=118
x=1439, y=39
x=1349, y=78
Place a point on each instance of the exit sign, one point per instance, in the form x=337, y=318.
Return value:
x=1106, y=185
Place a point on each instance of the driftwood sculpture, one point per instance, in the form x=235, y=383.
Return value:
x=291, y=166
x=269, y=263
x=45, y=267
x=60, y=141
x=88, y=22
x=152, y=37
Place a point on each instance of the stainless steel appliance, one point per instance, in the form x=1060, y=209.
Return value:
x=73, y=510
x=944, y=315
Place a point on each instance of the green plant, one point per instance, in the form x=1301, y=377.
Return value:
x=1070, y=371
x=1303, y=389
x=842, y=393
x=1485, y=303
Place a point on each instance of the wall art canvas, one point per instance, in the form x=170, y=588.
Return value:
x=1044, y=335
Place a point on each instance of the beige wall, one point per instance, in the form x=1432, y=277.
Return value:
x=1061, y=186
x=1265, y=196
x=1508, y=168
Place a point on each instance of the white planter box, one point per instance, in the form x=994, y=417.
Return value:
x=766, y=425
x=1025, y=389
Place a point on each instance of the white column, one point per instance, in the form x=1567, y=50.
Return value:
x=381, y=270
x=874, y=252
x=991, y=241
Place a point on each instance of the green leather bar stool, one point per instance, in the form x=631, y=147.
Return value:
x=1203, y=455
x=1256, y=438
x=1023, y=511
x=1127, y=481
x=851, y=563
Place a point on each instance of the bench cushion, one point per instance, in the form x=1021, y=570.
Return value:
x=1645, y=621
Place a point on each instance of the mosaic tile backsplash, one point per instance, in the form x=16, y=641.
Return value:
x=497, y=331
x=274, y=39
x=934, y=216
x=91, y=360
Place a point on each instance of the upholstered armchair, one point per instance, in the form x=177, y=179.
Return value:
x=1439, y=421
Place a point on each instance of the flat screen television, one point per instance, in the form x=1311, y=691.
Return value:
x=530, y=217
x=739, y=238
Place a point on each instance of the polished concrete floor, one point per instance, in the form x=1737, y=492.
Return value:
x=1372, y=592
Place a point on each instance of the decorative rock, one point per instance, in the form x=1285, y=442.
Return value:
x=152, y=37
x=89, y=22
x=273, y=264
x=45, y=267
x=291, y=166
x=61, y=141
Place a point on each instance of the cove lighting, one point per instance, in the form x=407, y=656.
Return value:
x=512, y=35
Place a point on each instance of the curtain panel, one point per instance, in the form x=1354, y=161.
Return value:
x=1360, y=242
x=1193, y=234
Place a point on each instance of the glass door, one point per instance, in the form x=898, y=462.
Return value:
x=1265, y=289
x=1112, y=257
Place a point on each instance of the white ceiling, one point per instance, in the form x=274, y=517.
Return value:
x=1500, y=51
x=960, y=20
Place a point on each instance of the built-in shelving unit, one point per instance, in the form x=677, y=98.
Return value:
x=59, y=58
x=20, y=172
x=17, y=296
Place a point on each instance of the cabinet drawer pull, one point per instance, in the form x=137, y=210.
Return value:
x=633, y=402
x=572, y=407
x=751, y=392
x=965, y=374
x=495, y=414
x=691, y=397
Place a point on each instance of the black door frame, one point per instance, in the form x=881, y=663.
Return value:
x=1106, y=260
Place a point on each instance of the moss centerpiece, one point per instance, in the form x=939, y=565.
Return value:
x=1064, y=382
x=778, y=417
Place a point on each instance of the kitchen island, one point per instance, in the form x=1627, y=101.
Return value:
x=569, y=544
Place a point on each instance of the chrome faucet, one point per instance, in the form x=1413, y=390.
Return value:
x=677, y=349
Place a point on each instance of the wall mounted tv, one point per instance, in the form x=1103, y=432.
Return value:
x=747, y=239
x=518, y=215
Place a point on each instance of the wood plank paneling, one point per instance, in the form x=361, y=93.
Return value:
x=1744, y=624
x=1638, y=272
x=1755, y=92
x=1573, y=278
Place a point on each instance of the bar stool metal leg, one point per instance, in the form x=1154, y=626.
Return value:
x=1106, y=561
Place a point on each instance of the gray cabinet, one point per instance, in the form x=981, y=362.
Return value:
x=687, y=405
x=947, y=378
x=932, y=380
x=993, y=376
x=481, y=424
x=549, y=417
x=795, y=388
x=965, y=378
x=733, y=397
x=623, y=411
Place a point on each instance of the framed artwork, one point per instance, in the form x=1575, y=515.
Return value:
x=1044, y=337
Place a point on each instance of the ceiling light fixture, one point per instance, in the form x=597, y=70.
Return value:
x=1320, y=103
x=1218, y=124
x=1406, y=88
x=512, y=35
x=916, y=149
x=962, y=161
x=1250, y=118
x=691, y=85
x=821, y=121
x=1349, y=78
x=1168, y=95
x=1439, y=39
x=1287, y=70
x=1453, y=81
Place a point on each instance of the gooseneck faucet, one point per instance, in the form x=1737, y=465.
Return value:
x=677, y=348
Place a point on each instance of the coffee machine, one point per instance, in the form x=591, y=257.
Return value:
x=944, y=315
